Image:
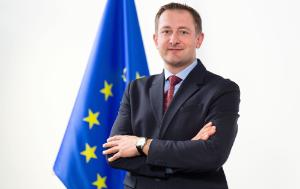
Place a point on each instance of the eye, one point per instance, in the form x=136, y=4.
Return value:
x=183, y=32
x=165, y=31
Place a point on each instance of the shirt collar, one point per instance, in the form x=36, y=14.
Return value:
x=183, y=73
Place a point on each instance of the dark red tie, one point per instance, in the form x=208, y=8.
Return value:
x=173, y=80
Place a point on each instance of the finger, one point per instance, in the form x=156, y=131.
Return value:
x=114, y=157
x=199, y=136
x=205, y=133
x=208, y=133
x=207, y=125
x=212, y=131
x=205, y=129
x=117, y=137
x=111, y=150
x=201, y=133
x=204, y=137
x=209, y=130
x=110, y=144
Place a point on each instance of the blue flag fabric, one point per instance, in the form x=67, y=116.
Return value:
x=118, y=56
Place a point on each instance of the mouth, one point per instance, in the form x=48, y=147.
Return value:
x=175, y=49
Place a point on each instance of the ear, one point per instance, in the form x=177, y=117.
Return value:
x=155, y=39
x=199, y=39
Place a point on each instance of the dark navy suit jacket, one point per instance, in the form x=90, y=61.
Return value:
x=174, y=161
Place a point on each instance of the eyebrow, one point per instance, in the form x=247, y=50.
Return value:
x=181, y=27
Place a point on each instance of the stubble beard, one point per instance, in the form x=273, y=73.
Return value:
x=178, y=64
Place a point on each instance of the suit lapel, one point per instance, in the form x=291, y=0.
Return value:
x=156, y=97
x=190, y=85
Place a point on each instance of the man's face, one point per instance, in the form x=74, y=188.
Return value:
x=176, y=38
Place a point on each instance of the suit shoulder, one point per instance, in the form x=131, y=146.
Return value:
x=220, y=82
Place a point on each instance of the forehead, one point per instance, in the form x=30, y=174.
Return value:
x=175, y=19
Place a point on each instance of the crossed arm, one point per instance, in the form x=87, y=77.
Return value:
x=124, y=146
x=206, y=151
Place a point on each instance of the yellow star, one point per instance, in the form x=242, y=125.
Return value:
x=138, y=76
x=100, y=182
x=92, y=119
x=89, y=152
x=107, y=90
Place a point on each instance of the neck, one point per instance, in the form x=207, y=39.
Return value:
x=174, y=69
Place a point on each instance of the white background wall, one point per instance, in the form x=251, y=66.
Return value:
x=44, y=48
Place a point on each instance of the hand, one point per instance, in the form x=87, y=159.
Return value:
x=205, y=132
x=121, y=146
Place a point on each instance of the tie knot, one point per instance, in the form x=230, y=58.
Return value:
x=174, y=80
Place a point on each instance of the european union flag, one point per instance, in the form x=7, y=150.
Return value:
x=118, y=56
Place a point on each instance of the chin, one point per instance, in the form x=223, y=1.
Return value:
x=175, y=63
x=172, y=60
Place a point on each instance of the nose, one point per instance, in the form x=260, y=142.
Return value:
x=174, y=40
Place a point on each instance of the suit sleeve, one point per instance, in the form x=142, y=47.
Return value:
x=122, y=126
x=202, y=156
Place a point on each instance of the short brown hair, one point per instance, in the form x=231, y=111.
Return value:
x=178, y=6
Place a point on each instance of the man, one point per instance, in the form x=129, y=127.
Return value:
x=176, y=129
